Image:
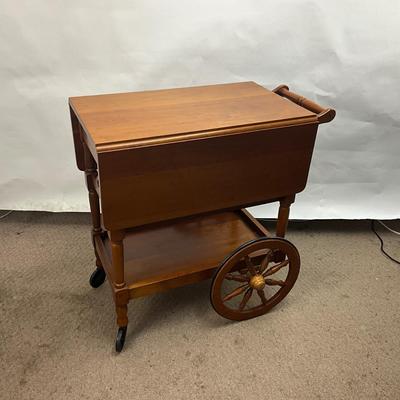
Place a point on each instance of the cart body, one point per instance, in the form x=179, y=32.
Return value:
x=170, y=171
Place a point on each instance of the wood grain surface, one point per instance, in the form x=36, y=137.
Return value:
x=174, y=254
x=161, y=116
x=169, y=170
x=149, y=184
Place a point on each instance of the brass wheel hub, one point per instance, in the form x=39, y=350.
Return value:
x=257, y=282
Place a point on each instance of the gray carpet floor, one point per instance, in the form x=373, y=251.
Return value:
x=336, y=336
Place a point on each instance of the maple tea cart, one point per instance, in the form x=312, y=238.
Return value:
x=169, y=173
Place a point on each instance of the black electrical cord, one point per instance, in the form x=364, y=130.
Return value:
x=381, y=240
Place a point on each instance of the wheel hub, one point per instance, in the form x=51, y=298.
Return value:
x=257, y=282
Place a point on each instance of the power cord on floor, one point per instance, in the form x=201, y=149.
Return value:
x=389, y=229
x=381, y=240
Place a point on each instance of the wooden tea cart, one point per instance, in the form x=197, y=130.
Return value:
x=169, y=173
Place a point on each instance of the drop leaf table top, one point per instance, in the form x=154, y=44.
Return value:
x=163, y=116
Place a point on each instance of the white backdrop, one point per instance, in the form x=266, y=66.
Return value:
x=344, y=54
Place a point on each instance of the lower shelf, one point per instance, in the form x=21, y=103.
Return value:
x=178, y=253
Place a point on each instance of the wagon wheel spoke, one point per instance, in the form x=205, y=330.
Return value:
x=250, y=266
x=237, y=278
x=274, y=282
x=265, y=261
x=262, y=296
x=246, y=298
x=235, y=292
x=275, y=268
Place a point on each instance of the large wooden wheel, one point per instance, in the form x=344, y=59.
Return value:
x=254, y=278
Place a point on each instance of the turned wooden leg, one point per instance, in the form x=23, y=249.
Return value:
x=121, y=299
x=283, y=215
x=98, y=276
x=281, y=225
x=91, y=178
x=117, y=253
x=122, y=315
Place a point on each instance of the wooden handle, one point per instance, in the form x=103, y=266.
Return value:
x=324, y=114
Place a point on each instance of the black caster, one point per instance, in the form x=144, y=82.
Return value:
x=120, y=341
x=97, y=278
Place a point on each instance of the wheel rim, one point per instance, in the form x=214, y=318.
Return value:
x=251, y=271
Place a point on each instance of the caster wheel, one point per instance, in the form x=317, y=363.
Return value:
x=97, y=278
x=255, y=278
x=120, y=341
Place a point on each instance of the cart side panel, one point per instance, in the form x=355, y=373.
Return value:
x=150, y=184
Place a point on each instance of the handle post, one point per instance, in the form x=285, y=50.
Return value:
x=323, y=114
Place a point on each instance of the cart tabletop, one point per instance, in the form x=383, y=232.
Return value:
x=161, y=116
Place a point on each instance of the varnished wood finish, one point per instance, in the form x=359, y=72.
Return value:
x=162, y=116
x=173, y=254
x=90, y=168
x=141, y=185
x=117, y=257
x=255, y=279
x=122, y=314
x=283, y=215
x=78, y=141
x=253, y=223
x=150, y=184
x=167, y=173
x=323, y=114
